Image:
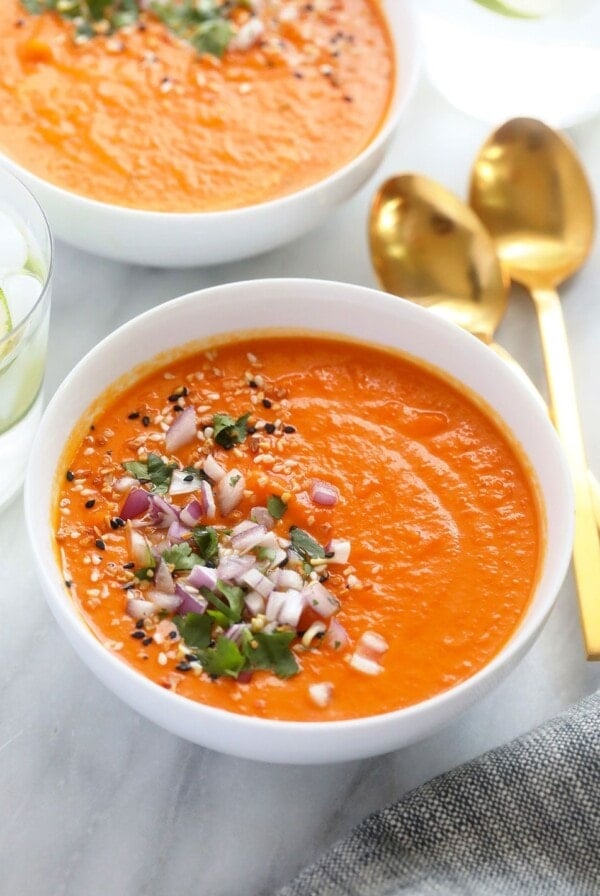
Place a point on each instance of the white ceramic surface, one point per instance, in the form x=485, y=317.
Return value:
x=168, y=239
x=333, y=308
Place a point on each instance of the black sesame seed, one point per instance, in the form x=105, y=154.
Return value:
x=89, y=504
x=266, y=403
x=177, y=408
x=70, y=475
x=172, y=635
x=133, y=416
x=117, y=523
x=289, y=429
x=130, y=565
x=100, y=544
x=253, y=384
x=145, y=421
x=190, y=657
x=270, y=427
x=128, y=586
x=183, y=667
x=68, y=583
x=189, y=477
x=148, y=640
x=138, y=634
x=139, y=623
x=250, y=430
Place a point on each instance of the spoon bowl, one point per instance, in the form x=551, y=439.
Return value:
x=430, y=247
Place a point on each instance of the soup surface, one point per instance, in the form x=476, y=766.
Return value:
x=298, y=528
x=139, y=118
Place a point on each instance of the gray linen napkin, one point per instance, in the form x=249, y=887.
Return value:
x=522, y=819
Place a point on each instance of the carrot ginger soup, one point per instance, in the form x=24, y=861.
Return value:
x=239, y=104
x=297, y=527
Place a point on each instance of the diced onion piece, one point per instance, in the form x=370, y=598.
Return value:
x=161, y=512
x=182, y=431
x=235, y=632
x=232, y=568
x=163, y=580
x=255, y=603
x=324, y=493
x=321, y=693
x=339, y=548
x=190, y=603
x=136, y=503
x=124, y=483
x=292, y=608
x=164, y=601
x=320, y=600
x=364, y=664
x=177, y=532
x=183, y=482
x=336, y=635
x=275, y=604
x=258, y=582
x=242, y=542
x=288, y=578
x=202, y=577
x=371, y=644
x=208, y=499
x=262, y=516
x=243, y=527
x=139, y=548
x=229, y=491
x=248, y=34
x=213, y=469
x=139, y=609
x=191, y=514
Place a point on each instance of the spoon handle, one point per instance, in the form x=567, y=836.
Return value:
x=563, y=404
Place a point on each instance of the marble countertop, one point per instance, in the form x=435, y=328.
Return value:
x=96, y=799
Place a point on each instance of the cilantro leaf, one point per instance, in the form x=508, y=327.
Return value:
x=206, y=542
x=305, y=545
x=181, y=557
x=225, y=658
x=276, y=506
x=229, y=432
x=231, y=608
x=271, y=651
x=194, y=628
x=155, y=471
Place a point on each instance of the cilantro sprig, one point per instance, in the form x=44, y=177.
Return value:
x=205, y=24
x=228, y=432
x=154, y=470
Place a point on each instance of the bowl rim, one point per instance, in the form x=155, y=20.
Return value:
x=403, y=24
x=168, y=703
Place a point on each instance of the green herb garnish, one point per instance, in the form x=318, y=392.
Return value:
x=229, y=609
x=225, y=658
x=90, y=17
x=229, y=432
x=305, y=545
x=505, y=9
x=272, y=651
x=206, y=541
x=202, y=23
x=155, y=471
x=195, y=629
x=276, y=506
x=181, y=557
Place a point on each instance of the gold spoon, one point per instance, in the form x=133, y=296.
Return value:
x=531, y=192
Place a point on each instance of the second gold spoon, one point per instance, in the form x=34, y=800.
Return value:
x=530, y=191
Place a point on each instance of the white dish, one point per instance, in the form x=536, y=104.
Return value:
x=169, y=239
x=325, y=306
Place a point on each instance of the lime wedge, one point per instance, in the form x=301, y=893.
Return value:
x=5, y=318
x=516, y=9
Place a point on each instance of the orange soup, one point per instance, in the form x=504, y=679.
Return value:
x=298, y=528
x=139, y=118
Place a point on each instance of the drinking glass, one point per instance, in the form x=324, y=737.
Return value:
x=25, y=289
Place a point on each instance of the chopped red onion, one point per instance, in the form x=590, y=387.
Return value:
x=202, y=577
x=192, y=512
x=339, y=549
x=235, y=632
x=139, y=548
x=364, y=664
x=190, y=603
x=336, y=635
x=182, y=430
x=124, y=483
x=139, y=609
x=208, y=500
x=163, y=580
x=164, y=601
x=275, y=605
x=255, y=603
x=177, y=532
x=292, y=608
x=231, y=569
x=371, y=644
x=262, y=516
x=162, y=513
x=324, y=493
x=258, y=582
x=320, y=600
x=248, y=539
x=213, y=469
x=229, y=491
x=321, y=693
x=136, y=503
x=183, y=482
x=289, y=578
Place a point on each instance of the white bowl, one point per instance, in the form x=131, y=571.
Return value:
x=326, y=307
x=169, y=239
